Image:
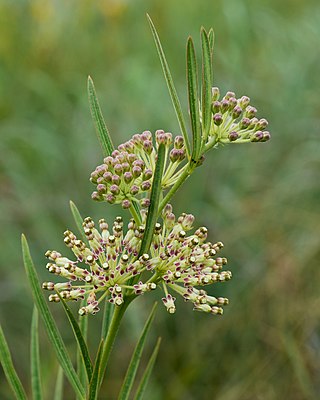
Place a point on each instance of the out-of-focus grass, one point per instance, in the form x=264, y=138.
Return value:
x=262, y=201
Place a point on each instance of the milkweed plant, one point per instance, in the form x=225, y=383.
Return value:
x=109, y=264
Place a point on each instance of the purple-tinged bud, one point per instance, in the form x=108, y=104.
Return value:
x=122, y=147
x=94, y=176
x=145, y=185
x=178, y=142
x=129, y=146
x=146, y=135
x=233, y=102
x=161, y=138
x=244, y=102
x=167, y=209
x=100, y=180
x=96, y=196
x=147, y=175
x=233, y=136
x=145, y=203
x=216, y=105
x=147, y=146
x=215, y=93
x=244, y=123
x=101, y=188
x=224, y=105
x=217, y=119
x=170, y=220
x=101, y=169
x=118, y=169
x=168, y=139
x=108, y=160
x=139, y=163
x=266, y=136
x=250, y=112
x=187, y=222
x=114, y=189
x=174, y=155
x=182, y=154
x=115, y=153
x=262, y=124
x=257, y=136
x=236, y=112
x=136, y=171
x=134, y=190
x=127, y=177
x=229, y=94
x=110, y=198
x=125, y=166
x=107, y=176
x=131, y=158
x=136, y=139
x=126, y=204
x=116, y=179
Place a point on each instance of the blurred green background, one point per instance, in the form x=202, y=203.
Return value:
x=262, y=201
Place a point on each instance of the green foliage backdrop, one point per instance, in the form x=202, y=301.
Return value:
x=261, y=201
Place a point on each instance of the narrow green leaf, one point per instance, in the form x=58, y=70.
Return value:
x=171, y=87
x=58, y=390
x=147, y=372
x=9, y=370
x=154, y=201
x=135, y=359
x=35, y=357
x=50, y=325
x=101, y=127
x=79, y=338
x=206, y=85
x=78, y=220
x=83, y=325
x=94, y=384
x=211, y=44
x=107, y=313
x=192, y=80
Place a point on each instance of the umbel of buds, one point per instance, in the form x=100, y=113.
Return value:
x=234, y=120
x=126, y=176
x=108, y=264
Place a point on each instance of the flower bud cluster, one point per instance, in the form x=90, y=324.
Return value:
x=126, y=175
x=108, y=264
x=234, y=120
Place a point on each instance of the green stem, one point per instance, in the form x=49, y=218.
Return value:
x=185, y=174
x=111, y=335
x=135, y=215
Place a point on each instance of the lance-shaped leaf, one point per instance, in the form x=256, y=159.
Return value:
x=9, y=370
x=193, y=97
x=94, y=384
x=171, y=87
x=79, y=338
x=211, y=44
x=78, y=220
x=206, y=85
x=147, y=372
x=35, y=357
x=58, y=390
x=154, y=201
x=135, y=359
x=83, y=325
x=100, y=125
x=49, y=323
